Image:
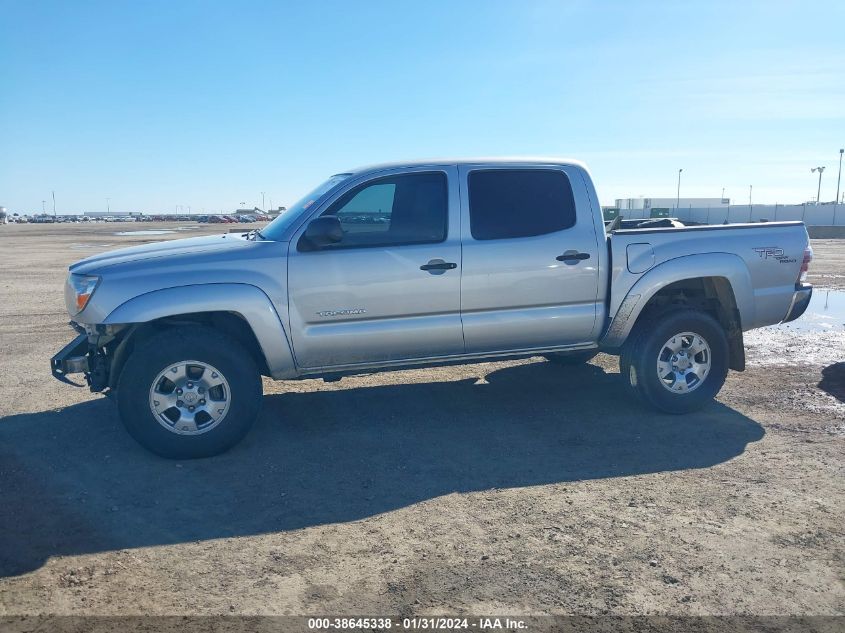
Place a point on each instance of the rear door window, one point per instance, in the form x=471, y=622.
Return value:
x=513, y=203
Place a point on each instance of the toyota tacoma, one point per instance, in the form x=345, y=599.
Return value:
x=413, y=264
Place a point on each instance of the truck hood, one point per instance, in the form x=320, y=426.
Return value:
x=130, y=273
x=187, y=246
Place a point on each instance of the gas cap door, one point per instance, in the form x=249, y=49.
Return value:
x=640, y=257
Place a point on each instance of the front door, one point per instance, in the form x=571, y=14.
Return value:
x=389, y=291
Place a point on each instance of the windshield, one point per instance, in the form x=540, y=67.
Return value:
x=276, y=229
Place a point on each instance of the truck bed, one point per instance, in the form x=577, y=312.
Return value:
x=762, y=261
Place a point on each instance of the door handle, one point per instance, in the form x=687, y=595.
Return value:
x=438, y=264
x=572, y=256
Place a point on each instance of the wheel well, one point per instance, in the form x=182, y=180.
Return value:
x=713, y=295
x=230, y=323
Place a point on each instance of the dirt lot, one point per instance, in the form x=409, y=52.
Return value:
x=512, y=487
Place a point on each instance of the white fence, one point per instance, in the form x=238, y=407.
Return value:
x=811, y=214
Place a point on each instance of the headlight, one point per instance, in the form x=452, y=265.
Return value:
x=80, y=288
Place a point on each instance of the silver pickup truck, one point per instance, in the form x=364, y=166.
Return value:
x=415, y=264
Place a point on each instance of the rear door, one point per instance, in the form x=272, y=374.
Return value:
x=390, y=290
x=530, y=258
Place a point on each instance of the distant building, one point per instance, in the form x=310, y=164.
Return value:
x=645, y=204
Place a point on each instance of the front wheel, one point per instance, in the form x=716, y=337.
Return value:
x=189, y=392
x=679, y=363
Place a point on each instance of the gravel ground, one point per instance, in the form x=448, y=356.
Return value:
x=828, y=267
x=511, y=487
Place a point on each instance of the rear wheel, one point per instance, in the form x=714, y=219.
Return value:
x=189, y=392
x=679, y=363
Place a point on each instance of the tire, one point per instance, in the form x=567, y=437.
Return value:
x=217, y=375
x=571, y=358
x=692, y=377
x=629, y=352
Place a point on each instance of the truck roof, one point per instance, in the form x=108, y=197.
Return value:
x=487, y=160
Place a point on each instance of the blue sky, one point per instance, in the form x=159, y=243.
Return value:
x=207, y=104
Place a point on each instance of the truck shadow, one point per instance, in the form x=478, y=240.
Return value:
x=833, y=381
x=72, y=481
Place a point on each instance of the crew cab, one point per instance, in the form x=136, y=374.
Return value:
x=422, y=263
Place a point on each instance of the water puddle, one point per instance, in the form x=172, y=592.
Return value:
x=147, y=232
x=157, y=231
x=87, y=246
x=816, y=338
x=826, y=313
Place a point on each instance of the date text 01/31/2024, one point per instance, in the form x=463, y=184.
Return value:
x=416, y=623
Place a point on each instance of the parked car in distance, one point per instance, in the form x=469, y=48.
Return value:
x=475, y=259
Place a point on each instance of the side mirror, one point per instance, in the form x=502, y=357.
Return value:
x=323, y=231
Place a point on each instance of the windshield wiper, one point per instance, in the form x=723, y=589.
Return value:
x=253, y=234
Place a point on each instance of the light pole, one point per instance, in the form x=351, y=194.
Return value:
x=723, y=193
x=838, y=179
x=262, y=201
x=750, y=207
x=819, y=193
x=108, y=205
x=54, y=204
x=43, y=202
x=678, y=198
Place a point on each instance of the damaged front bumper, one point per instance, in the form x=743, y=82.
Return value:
x=85, y=355
x=71, y=359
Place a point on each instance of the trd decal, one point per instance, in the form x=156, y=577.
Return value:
x=774, y=252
